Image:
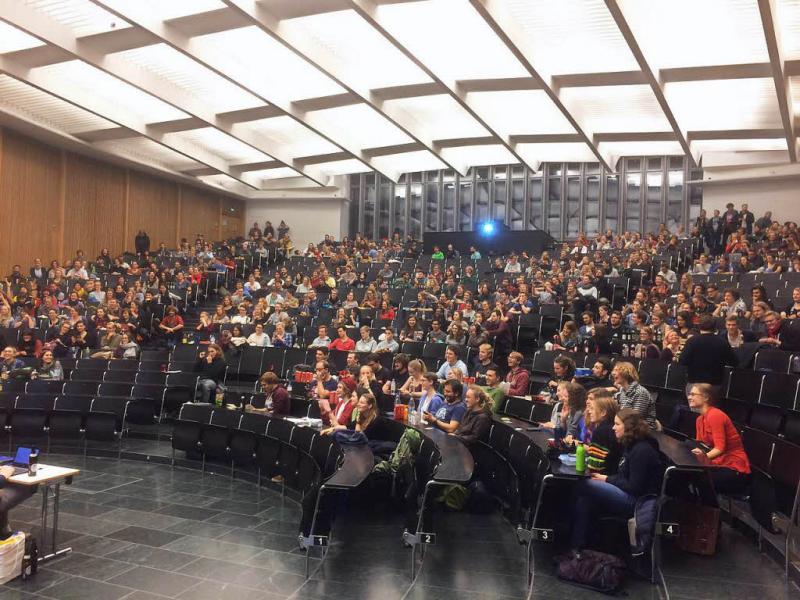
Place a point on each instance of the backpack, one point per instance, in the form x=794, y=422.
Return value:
x=404, y=453
x=593, y=570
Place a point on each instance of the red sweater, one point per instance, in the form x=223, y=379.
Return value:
x=518, y=380
x=347, y=344
x=716, y=430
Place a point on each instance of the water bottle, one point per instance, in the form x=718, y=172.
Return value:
x=412, y=413
x=33, y=462
x=580, y=458
x=212, y=338
x=219, y=397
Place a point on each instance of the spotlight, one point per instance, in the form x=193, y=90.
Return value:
x=488, y=228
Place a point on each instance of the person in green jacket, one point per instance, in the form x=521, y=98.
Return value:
x=493, y=389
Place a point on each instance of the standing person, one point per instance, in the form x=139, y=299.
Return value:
x=716, y=224
x=640, y=474
x=730, y=221
x=714, y=429
x=705, y=356
x=211, y=366
x=747, y=219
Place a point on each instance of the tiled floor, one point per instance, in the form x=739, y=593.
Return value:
x=143, y=531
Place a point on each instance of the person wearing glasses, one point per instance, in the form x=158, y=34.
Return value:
x=730, y=472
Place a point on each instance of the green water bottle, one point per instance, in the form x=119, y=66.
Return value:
x=580, y=458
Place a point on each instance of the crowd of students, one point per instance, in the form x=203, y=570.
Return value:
x=107, y=308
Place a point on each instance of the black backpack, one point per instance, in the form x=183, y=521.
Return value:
x=594, y=570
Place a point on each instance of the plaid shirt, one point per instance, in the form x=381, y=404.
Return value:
x=639, y=399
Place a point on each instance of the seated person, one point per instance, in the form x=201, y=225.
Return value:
x=570, y=426
x=477, y=420
x=731, y=468
x=563, y=370
x=50, y=369
x=429, y=400
x=600, y=377
x=396, y=377
x=11, y=494
x=448, y=416
x=631, y=394
x=342, y=342
x=493, y=389
x=346, y=400
x=10, y=362
x=603, y=451
x=366, y=415
x=322, y=340
x=277, y=401
x=414, y=383
x=640, y=473
x=171, y=326
x=451, y=361
x=517, y=378
x=324, y=383
x=280, y=337
x=258, y=337
x=367, y=343
x=211, y=366
x=388, y=343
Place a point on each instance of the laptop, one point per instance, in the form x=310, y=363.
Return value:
x=20, y=462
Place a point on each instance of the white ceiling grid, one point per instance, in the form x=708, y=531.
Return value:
x=245, y=94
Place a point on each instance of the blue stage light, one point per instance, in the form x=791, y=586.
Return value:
x=487, y=228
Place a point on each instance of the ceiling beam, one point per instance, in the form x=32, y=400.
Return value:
x=308, y=49
x=257, y=166
x=497, y=17
x=599, y=79
x=52, y=32
x=783, y=91
x=500, y=84
x=414, y=90
x=714, y=72
x=319, y=159
x=655, y=85
x=636, y=136
x=394, y=149
x=106, y=135
x=465, y=142
x=547, y=138
x=178, y=41
x=368, y=9
x=117, y=115
x=736, y=134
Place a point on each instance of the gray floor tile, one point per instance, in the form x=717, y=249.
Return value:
x=193, y=513
x=93, y=567
x=155, y=581
x=83, y=508
x=213, y=549
x=233, y=520
x=148, y=537
x=79, y=588
x=149, y=556
x=96, y=546
x=124, y=517
x=211, y=590
x=201, y=529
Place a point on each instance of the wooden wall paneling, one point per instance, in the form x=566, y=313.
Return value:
x=232, y=218
x=154, y=208
x=30, y=195
x=94, y=207
x=199, y=214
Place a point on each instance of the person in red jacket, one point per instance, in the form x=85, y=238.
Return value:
x=715, y=430
x=517, y=378
x=343, y=342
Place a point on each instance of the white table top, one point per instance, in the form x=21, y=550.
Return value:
x=45, y=474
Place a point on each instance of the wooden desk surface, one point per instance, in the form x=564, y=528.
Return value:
x=45, y=474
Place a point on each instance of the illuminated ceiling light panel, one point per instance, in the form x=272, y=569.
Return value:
x=701, y=146
x=520, y=112
x=149, y=152
x=555, y=152
x=615, y=108
x=571, y=36
x=225, y=182
x=264, y=65
x=472, y=156
x=440, y=116
x=81, y=17
x=788, y=22
x=277, y=173
x=360, y=124
x=165, y=10
x=48, y=110
x=364, y=58
x=343, y=167
x=724, y=104
x=794, y=82
x=408, y=162
x=451, y=38
x=13, y=39
x=216, y=142
x=689, y=33
x=215, y=92
x=294, y=137
x=620, y=149
x=78, y=80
